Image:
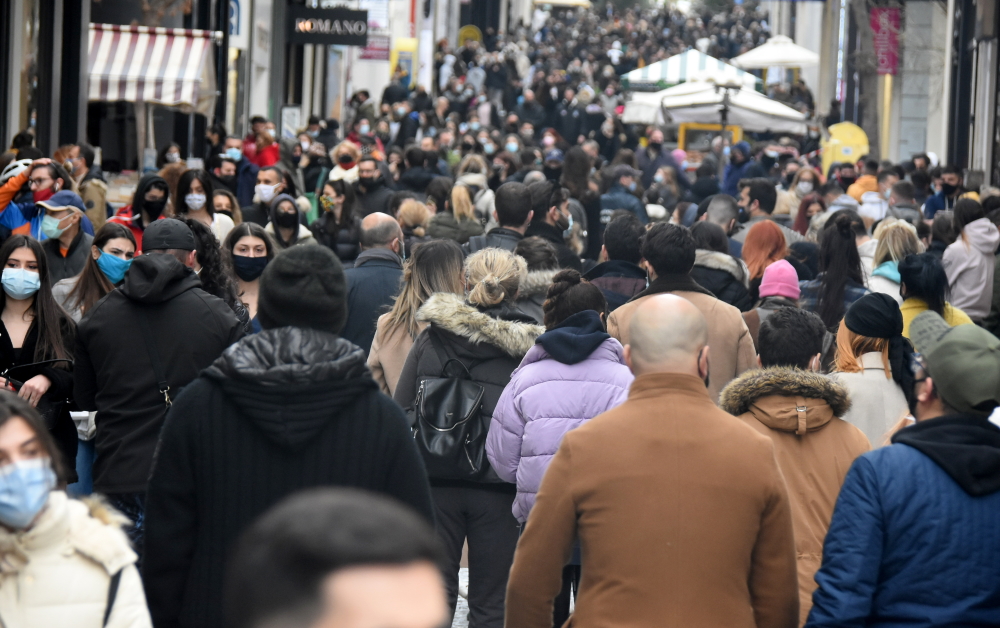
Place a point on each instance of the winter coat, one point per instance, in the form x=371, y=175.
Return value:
x=618, y=197
x=727, y=332
x=69, y=265
x=281, y=411
x=992, y=321
x=791, y=237
x=372, y=287
x=681, y=512
x=483, y=198
x=499, y=238
x=58, y=572
x=885, y=279
x=864, y=183
x=532, y=292
x=913, y=306
x=914, y=539
x=970, y=263
x=618, y=280
x=344, y=241
x=550, y=394
x=388, y=353
x=373, y=200
x=765, y=307
x=94, y=194
x=554, y=235
x=649, y=165
x=798, y=411
x=415, y=179
x=489, y=342
x=445, y=226
x=866, y=251
x=939, y=202
x=877, y=401
x=724, y=276
x=113, y=371
x=304, y=236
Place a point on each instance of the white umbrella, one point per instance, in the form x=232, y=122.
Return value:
x=702, y=102
x=690, y=65
x=644, y=108
x=778, y=51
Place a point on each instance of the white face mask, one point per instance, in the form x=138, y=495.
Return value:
x=194, y=201
x=265, y=192
x=804, y=187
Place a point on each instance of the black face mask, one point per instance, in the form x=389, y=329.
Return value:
x=228, y=179
x=286, y=220
x=552, y=174
x=154, y=208
x=948, y=189
x=655, y=146
x=369, y=183
x=249, y=268
x=847, y=182
x=345, y=159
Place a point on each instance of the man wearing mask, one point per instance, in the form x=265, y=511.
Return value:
x=258, y=125
x=552, y=220
x=530, y=110
x=619, y=196
x=654, y=157
x=372, y=192
x=846, y=176
x=950, y=191
x=246, y=172
x=757, y=199
x=269, y=186
x=148, y=203
x=373, y=283
x=90, y=183
x=741, y=166
x=409, y=123
x=224, y=173
x=67, y=247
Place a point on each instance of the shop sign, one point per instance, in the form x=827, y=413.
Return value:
x=885, y=28
x=332, y=27
x=239, y=24
x=377, y=49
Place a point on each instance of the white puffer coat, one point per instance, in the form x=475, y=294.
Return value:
x=58, y=572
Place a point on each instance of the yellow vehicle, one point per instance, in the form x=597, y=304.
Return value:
x=847, y=143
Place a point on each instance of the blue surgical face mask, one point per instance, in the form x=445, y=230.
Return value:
x=24, y=489
x=631, y=187
x=113, y=267
x=50, y=227
x=568, y=232
x=234, y=153
x=20, y=283
x=512, y=147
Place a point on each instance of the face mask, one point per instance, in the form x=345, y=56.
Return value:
x=631, y=187
x=50, y=227
x=512, y=147
x=474, y=126
x=234, y=153
x=266, y=192
x=228, y=179
x=327, y=203
x=272, y=132
x=313, y=134
x=658, y=177
x=304, y=145
x=804, y=187
x=364, y=129
x=489, y=149
x=286, y=220
x=194, y=201
x=173, y=157
x=249, y=268
x=114, y=268
x=548, y=141
x=527, y=134
x=655, y=146
x=43, y=195
x=154, y=208
x=888, y=193
x=24, y=489
x=400, y=111
x=20, y=283
x=948, y=189
x=296, y=159
x=725, y=151
x=772, y=154
x=847, y=181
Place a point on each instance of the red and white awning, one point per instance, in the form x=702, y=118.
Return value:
x=165, y=66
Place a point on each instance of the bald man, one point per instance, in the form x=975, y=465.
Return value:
x=373, y=283
x=681, y=512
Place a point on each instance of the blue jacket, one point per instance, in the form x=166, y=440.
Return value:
x=246, y=181
x=617, y=197
x=372, y=286
x=937, y=203
x=26, y=219
x=915, y=536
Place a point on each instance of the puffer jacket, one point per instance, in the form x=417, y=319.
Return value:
x=798, y=411
x=724, y=276
x=532, y=292
x=574, y=372
x=970, y=263
x=58, y=572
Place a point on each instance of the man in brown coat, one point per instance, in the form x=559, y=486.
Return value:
x=798, y=410
x=668, y=254
x=681, y=512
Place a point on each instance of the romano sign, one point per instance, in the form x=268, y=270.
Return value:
x=338, y=27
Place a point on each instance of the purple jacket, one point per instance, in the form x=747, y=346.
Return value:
x=545, y=399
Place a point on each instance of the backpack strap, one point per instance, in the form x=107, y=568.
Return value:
x=112, y=594
x=154, y=357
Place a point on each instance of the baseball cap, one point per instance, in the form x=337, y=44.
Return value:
x=64, y=199
x=554, y=155
x=964, y=362
x=168, y=233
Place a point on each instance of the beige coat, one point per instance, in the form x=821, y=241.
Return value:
x=731, y=349
x=877, y=401
x=682, y=516
x=57, y=573
x=798, y=411
x=388, y=353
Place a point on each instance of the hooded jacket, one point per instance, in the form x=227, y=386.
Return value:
x=490, y=342
x=445, y=226
x=280, y=411
x=970, y=263
x=287, y=164
x=532, y=292
x=885, y=279
x=573, y=373
x=724, y=276
x=798, y=411
x=914, y=539
x=113, y=371
x=131, y=215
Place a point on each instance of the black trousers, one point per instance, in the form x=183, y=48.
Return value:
x=484, y=518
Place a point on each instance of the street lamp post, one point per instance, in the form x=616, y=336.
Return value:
x=724, y=114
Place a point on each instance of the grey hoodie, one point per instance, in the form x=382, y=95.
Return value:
x=970, y=263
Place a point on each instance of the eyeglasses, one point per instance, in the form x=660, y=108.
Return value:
x=38, y=181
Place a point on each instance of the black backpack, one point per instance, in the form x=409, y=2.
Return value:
x=448, y=423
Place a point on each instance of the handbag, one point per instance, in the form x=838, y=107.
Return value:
x=47, y=408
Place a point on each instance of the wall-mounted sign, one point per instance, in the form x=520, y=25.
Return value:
x=239, y=24
x=335, y=27
x=885, y=28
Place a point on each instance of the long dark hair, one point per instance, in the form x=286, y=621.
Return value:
x=184, y=188
x=576, y=172
x=241, y=231
x=966, y=210
x=924, y=278
x=56, y=330
x=216, y=274
x=342, y=188
x=93, y=284
x=839, y=262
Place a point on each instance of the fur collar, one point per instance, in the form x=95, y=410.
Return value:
x=537, y=281
x=721, y=261
x=451, y=313
x=738, y=396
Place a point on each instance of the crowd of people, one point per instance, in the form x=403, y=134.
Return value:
x=297, y=387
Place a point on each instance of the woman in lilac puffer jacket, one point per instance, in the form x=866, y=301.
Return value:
x=574, y=372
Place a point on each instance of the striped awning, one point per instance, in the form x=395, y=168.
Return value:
x=689, y=65
x=165, y=66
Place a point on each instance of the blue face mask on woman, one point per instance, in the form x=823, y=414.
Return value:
x=24, y=489
x=113, y=267
x=20, y=283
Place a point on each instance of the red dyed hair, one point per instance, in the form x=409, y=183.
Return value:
x=764, y=245
x=801, y=219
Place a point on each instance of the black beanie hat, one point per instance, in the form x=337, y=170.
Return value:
x=303, y=286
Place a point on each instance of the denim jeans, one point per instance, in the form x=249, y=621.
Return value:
x=84, y=470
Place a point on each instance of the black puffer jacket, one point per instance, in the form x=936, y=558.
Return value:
x=490, y=343
x=278, y=412
x=344, y=241
x=724, y=276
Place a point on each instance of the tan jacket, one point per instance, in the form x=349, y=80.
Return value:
x=388, y=354
x=94, y=193
x=731, y=349
x=798, y=411
x=682, y=516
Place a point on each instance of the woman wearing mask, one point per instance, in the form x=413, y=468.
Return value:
x=489, y=336
x=664, y=190
x=896, y=240
x=841, y=280
x=804, y=183
x=169, y=154
x=225, y=203
x=195, y=189
x=110, y=258
x=458, y=221
x=432, y=268
x=338, y=227
x=285, y=226
x=924, y=286
x=574, y=372
x=873, y=364
x=970, y=261
x=812, y=205
x=212, y=269
x=148, y=203
x=60, y=556
x=249, y=249
x=34, y=329
x=345, y=162
x=764, y=245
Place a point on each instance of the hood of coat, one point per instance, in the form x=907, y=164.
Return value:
x=982, y=235
x=301, y=236
x=576, y=338
x=291, y=382
x=721, y=261
x=843, y=201
x=966, y=447
x=157, y=277
x=536, y=282
x=888, y=270
x=772, y=395
x=511, y=331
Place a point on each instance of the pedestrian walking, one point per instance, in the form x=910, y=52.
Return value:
x=249, y=249
x=373, y=282
x=107, y=262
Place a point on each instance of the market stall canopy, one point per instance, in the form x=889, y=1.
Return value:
x=645, y=108
x=778, y=51
x=583, y=4
x=164, y=66
x=687, y=66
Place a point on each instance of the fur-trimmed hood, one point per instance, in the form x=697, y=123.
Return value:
x=722, y=261
x=786, y=399
x=536, y=282
x=508, y=329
